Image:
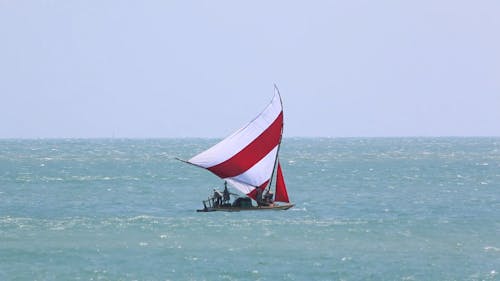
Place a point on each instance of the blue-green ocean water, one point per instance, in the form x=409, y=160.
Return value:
x=366, y=209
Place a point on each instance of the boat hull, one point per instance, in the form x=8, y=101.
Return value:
x=239, y=209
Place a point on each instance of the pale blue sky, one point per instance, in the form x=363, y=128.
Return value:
x=205, y=68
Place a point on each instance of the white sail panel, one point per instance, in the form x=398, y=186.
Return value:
x=244, y=188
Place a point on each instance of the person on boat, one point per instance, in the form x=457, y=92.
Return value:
x=259, y=199
x=268, y=197
x=226, y=197
x=217, y=197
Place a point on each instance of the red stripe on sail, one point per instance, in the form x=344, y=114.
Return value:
x=253, y=193
x=252, y=153
x=281, y=193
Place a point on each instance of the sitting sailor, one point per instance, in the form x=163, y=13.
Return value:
x=268, y=197
x=260, y=200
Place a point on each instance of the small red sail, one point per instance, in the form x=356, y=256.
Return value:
x=281, y=194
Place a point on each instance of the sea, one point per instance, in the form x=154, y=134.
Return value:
x=365, y=209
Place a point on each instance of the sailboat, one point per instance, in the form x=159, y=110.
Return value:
x=248, y=160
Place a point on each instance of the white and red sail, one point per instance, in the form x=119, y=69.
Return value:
x=247, y=158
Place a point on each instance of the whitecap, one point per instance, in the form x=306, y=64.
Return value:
x=492, y=249
x=141, y=217
x=58, y=228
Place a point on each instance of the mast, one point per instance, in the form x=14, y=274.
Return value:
x=279, y=144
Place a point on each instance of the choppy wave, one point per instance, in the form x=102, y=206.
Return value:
x=366, y=209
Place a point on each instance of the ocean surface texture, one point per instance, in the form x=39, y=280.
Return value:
x=366, y=209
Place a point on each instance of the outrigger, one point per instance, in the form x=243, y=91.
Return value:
x=248, y=160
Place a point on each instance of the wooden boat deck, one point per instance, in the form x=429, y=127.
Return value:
x=253, y=208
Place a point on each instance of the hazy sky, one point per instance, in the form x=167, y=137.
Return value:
x=205, y=68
